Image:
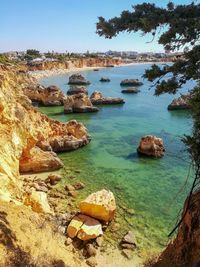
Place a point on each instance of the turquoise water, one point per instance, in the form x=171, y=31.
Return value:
x=149, y=187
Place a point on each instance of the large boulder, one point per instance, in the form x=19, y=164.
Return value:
x=100, y=205
x=84, y=227
x=131, y=82
x=78, y=103
x=181, y=102
x=98, y=99
x=39, y=161
x=151, y=146
x=50, y=96
x=77, y=90
x=78, y=79
x=38, y=202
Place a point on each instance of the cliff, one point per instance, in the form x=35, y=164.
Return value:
x=75, y=63
x=184, y=250
x=28, y=137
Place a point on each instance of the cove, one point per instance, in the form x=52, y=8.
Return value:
x=149, y=192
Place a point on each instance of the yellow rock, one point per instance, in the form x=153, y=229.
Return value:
x=84, y=227
x=38, y=202
x=100, y=205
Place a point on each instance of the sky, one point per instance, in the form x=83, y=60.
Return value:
x=68, y=25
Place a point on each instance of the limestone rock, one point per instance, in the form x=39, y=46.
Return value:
x=50, y=96
x=53, y=179
x=84, y=227
x=91, y=250
x=69, y=187
x=91, y=262
x=39, y=161
x=78, y=103
x=78, y=79
x=100, y=205
x=104, y=79
x=98, y=99
x=77, y=90
x=131, y=90
x=129, y=238
x=181, y=102
x=38, y=202
x=79, y=185
x=151, y=146
x=131, y=82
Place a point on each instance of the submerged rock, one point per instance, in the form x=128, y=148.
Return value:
x=98, y=99
x=181, y=102
x=53, y=179
x=77, y=90
x=130, y=91
x=131, y=82
x=100, y=205
x=84, y=227
x=129, y=238
x=104, y=79
x=79, y=103
x=151, y=146
x=78, y=79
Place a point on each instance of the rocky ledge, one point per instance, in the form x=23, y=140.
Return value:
x=130, y=91
x=151, y=146
x=77, y=90
x=181, y=102
x=78, y=103
x=50, y=96
x=131, y=82
x=78, y=79
x=98, y=99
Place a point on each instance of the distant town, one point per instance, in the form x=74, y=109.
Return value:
x=35, y=56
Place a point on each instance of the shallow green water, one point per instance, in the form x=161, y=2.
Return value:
x=110, y=161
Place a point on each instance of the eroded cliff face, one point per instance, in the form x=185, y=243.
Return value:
x=29, y=138
x=75, y=63
x=184, y=251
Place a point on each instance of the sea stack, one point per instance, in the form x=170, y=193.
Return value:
x=151, y=146
x=78, y=79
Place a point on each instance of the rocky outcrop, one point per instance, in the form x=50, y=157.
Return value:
x=77, y=90
x=100, y=205
x=181, y=102
x=39, y=161
x=38, y=202
x=151, y=146
x=130, y=90
x=78, y=79
x=50, y=96
x=84, y=227
x=98, y=99
x=23, y=128
x=79, y=103
x=184, y=249
x=104, y=79
x=131, y=82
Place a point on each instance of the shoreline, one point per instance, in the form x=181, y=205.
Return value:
x=40, y=74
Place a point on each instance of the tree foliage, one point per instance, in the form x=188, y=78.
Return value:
x=177, y=27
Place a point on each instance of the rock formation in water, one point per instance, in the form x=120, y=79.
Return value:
x=184, y=249
x=50, y=96
x=131, y=82
x=130, y=90
x=26, y=132
x=78, y=79
x=181, y=102
x=78, y=103
x=77, y=90
x=151, y=146
x=104, y=79
x=98, y=99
